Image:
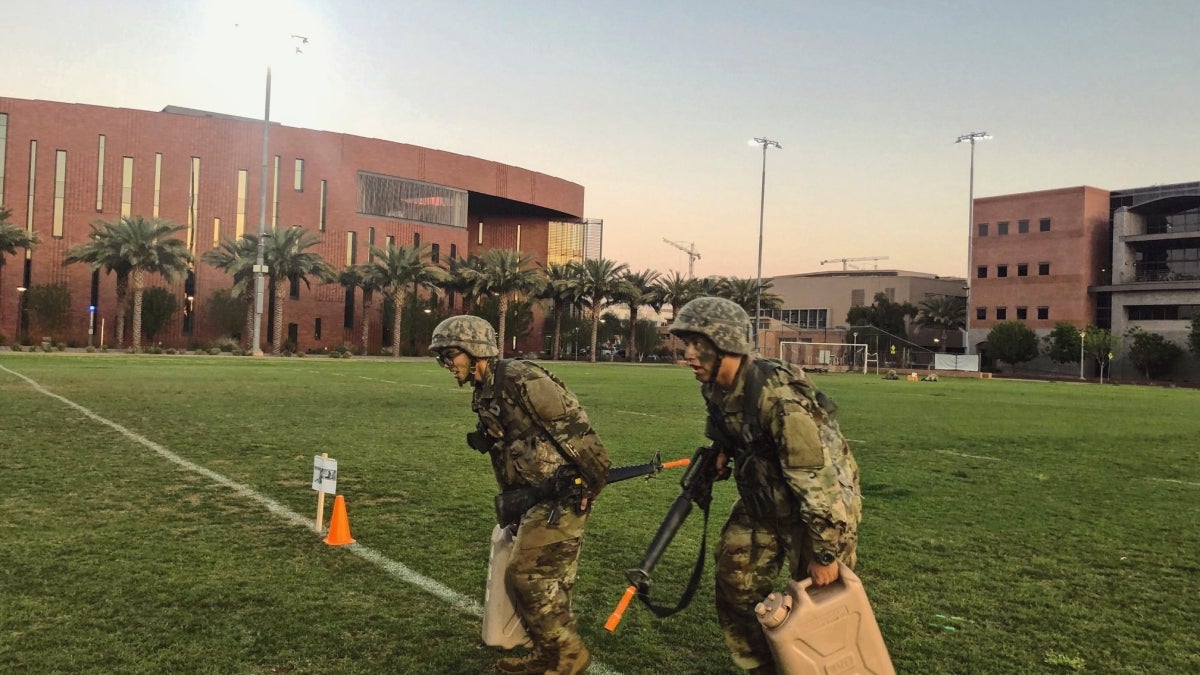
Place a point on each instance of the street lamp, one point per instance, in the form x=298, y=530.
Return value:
x=970, y=138
x=91, y=323
x=762, y=201
x=1082, y=335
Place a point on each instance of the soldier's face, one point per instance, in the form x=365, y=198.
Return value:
x=457, y=362
x=701, y=356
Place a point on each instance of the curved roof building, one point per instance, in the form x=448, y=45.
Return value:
x=64, y=166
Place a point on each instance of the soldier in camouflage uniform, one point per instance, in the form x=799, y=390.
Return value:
x=799, y=499
x=530, y=426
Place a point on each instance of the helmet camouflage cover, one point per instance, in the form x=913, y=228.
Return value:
x=471, y=334
x=720, y=320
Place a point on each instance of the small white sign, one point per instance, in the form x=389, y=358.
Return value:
x=324, y=475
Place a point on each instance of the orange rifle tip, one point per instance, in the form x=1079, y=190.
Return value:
x=678, y=462
x=615, y=617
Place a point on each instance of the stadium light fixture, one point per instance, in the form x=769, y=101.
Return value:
x=762, y=202
x=970, y=138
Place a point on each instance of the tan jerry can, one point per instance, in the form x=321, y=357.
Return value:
x=501, y=626
x=829, y=630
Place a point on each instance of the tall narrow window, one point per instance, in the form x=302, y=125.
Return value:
x=299, y=183
x=157, y=180
x=216, y=232
x=60, y=190
x=434, y=253
x=389, y=241
x=317, y=328
x=454, y=251
x=416, y=239
x=126, y=186
x=275, y=199
x=100, y=176
x=370, y=243
x=518, y=237
x=193, y=223
x=3, y=154
x=348, y=309
x=479, y=240
x=351, y=240
x=239, y=223
x=29, y=197
x=324, y=189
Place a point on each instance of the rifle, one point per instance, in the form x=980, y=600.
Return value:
x=567, y=487
x=697, y=484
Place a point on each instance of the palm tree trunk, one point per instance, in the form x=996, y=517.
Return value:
x=122, y=298
x=398, y=306
x=366, y=334
x=281, y=290
x=557, y=331
x=595, y=332
x=502, y=320
x=139, y=278
x=631, y=348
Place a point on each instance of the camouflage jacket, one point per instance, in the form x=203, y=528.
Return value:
x=535, y=426
x=799, y=466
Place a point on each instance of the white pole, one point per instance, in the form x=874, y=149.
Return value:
x=1082, y=335
x=259, y=267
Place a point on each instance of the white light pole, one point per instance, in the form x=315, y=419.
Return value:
x=762, y=202
x=1082, y=335
x=970, y=138
x=20, y=314
x=260, y=268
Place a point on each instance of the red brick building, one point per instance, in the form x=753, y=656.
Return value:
x=64, y=166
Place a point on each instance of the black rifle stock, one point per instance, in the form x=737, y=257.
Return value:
x=566, y=486
x=696, y=485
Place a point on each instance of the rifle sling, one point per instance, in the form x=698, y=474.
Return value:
x=662, y=611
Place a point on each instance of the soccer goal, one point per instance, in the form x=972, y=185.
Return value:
x=835, y=357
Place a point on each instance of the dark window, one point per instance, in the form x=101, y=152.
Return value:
x=416, y=239
x=981, y=313
x=1002, y=228
x=1043, y=313
x=982, y=229
x=293, y=335
x=1044, y=225
x=1022, y=269
x=1022, y=227
x=1022, y=313
x=434, y=253
x=981, y=273
x=1001, y=313
x=317, y=329
x=95, y=296
x=454, y=251
x=370, y=244
x=1162, y=312
x=348, y=313
x=294, y=287
x=1043, y=269
x=1001, y=270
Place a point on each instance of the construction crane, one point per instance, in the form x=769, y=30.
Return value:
x=844, y=261
x=690, y=249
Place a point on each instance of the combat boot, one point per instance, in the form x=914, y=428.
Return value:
x=534, y=662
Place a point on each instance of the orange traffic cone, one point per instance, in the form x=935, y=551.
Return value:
x=339, y=525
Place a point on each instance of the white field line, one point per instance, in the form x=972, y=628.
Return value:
x=1172, y=480
x=959, y=454
x=630, y=412
x=392, y=567
x=376, y=379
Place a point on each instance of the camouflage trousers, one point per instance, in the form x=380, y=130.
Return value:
x=750, y=556
x=541, y=575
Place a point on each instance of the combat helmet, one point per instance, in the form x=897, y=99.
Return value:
x=720, y=320
x=471, y=334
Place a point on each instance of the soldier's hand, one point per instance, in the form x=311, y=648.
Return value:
x=583, y=504
x=823, y=575
x=722, y=467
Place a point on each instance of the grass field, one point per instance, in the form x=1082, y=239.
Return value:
x=1009, y=527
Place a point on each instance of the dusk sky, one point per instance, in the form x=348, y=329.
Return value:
x=649, y=105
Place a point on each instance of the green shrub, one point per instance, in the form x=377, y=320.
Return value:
x=213, y=351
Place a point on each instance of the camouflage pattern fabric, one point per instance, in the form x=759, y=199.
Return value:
x=720, y=320
x=536, y=425
x=798, y=493
x=471, y=334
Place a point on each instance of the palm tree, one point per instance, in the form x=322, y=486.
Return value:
x=13, y=237
x=361, y=276
x=463, y=278
x=561, y=288
x=288, y=260
x=506, y=273
x=745, y=292
x=145, y=246
x=237, y=257
x=599, y=281
x=676, y=290
x=103, y=251
x=397, y=268
x=640, y=288
x=944, y=312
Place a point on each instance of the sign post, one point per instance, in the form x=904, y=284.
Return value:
x=324, y=482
